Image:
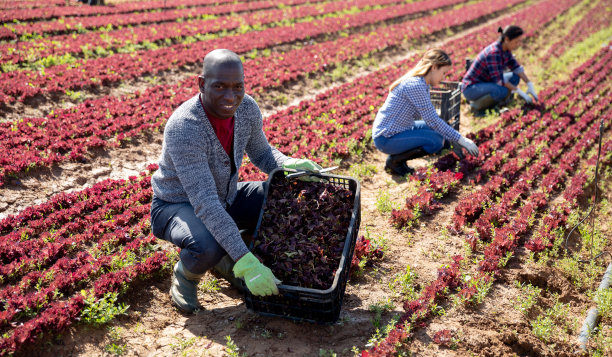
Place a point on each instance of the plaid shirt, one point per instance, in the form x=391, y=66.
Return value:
x=407, y=102
x=489, y=66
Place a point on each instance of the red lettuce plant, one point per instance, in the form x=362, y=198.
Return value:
x=443, y=338
x=364, y=254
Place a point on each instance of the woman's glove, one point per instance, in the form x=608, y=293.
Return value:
x=468, y=145
x=258, y=278
x=531, y=90
x=301, y=164
x=523, y=95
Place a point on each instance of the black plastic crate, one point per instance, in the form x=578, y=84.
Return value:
x=446, y=99
x=305, y=304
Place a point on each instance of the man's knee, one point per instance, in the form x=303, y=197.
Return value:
x=200, y=257
x=200, y=251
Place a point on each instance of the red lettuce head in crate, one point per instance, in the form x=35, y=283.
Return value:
x=198, y=203
x=408, y=126
x=303, y=231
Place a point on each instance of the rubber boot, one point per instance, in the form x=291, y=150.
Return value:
x=224, y=270
x=482, y=103
x=397, y=163
x=184, y=289
x=506, y=101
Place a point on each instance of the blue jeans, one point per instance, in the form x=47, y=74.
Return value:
x=420, y=136
x=178, y=224
x=497, y=92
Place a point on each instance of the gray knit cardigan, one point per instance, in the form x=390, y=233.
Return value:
x=194, y=167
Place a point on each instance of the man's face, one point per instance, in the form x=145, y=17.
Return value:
x=222, y=89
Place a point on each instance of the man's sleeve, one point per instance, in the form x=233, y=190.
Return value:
x=259, y=150
x=191, y=164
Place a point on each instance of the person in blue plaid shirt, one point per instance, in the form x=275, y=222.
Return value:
x=485, y=84
x=407, y=126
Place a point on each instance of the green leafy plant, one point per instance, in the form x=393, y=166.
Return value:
x=231, y=348
x=404, y=285
x=209, y=285
x=116, y=349
x=381, y=334
x=362, y=171
x=182, y=343
x=543, y=328
x=583, y=276
x=527, y=298
x=604, y=302
x=103, y=310
x=384, y=204
x=76, y=96
x=554, y=322
x=378, y=309
x=482, y=285
x=114, y=333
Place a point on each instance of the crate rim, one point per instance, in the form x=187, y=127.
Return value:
x=440, y=89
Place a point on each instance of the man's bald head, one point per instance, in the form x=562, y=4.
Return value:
x=222, y=83
x=220, y=58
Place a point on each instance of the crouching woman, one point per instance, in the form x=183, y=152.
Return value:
x=485, y=84
x=407, y=125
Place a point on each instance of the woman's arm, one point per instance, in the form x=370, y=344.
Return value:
x=510, y=86
x=523, y=95
x=523, y=76
x=419, y=96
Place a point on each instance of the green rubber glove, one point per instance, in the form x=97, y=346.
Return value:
x=301, y=164
x=258, y=278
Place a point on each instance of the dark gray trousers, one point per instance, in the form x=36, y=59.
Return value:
x=178, y=224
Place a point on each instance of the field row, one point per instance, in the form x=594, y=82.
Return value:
x=29, y=4
x=97, y=43
x=41, y=13
x=24, y=84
